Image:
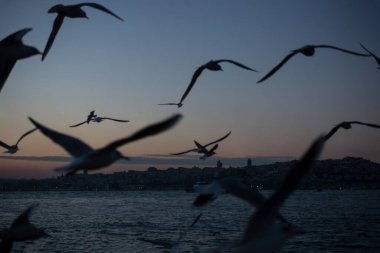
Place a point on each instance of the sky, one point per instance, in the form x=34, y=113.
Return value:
x=124, y=69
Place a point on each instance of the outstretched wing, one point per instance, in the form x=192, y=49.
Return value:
x=184, y=152
x=25, y=134
x=146, y=132
x=14, y=37
x=118, y=120
x=101, y=8
x=196, y=74
x=237, y=64
x=72, y=145
x=342, y=50
x=3, y=144
x=24, y=216
x=364, y=124
x=6, y=67
x=218, y=140
x=168, y=104
x=79, y=124
x=278, y=66
x=56, y=26
x=213, y=148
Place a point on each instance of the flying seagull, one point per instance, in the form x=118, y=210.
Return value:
x=307, y=50
x=213, y=66
x=71, y=11
x=14, y=148
x=262, y=233
x=202, y=148
x=20, y=230
x=377, y=59
x=12, y=49
x=347, y=125
x=92, y=117
x=86, y=158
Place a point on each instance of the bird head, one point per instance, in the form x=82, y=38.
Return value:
x=346, y=125
x=56, y=8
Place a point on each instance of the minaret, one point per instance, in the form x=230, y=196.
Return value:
x=249, y=163
x=219, y=165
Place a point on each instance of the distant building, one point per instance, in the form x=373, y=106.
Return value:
x=249, y=163
x=219, y=165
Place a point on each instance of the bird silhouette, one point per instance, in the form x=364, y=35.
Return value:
x=71, y=11
x=20, y=230
x=213, y=66
x=347, y=125
x=92, y=117
x=307, y=50
x=11, y=149
x=13, y=49
x=202, y=148
x=377, y=59
x=177, y=104
x=86, y=158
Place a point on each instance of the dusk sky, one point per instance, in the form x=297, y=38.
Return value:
x=124, y=69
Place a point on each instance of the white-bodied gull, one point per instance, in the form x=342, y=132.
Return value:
x=86, y=158
x=92, y=117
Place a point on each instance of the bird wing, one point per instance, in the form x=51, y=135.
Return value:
x=56, y=26
x=24, y=216
x=119, y=120
x=14, y=37
x=268, y=211
x=341, y=49
x=213, y=148
x=146, y=132
x=237, y=64
x=6, y=67
x=196, y=74
x=332, y=131
x=364, y=124
x=25, y=134
x=218, y=140
x=3, y=144
x=72, y=145
x=278, y=66
x=374, y=56
x=101, y=8
x=168, y=104
x=184, y=152
x=79, y=124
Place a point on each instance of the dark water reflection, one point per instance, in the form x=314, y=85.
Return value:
x=335, y=221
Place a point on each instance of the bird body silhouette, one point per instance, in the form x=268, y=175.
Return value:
x=86, y=158
x=377, y=59
x=308, y=50
x=11, y=149
x=348, y=125
x=13, y=49
x=213, y=66
x=71, y=11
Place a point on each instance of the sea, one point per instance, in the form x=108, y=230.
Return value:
x=151, y=221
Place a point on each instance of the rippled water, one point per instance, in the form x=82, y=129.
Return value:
x=335, y=221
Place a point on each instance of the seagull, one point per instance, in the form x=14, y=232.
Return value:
x=92, y=117
x=14, y=148
x=307, y=50
x=262, y=233
x=213, y=66
x=71, y=11
x=373, y=55
x=347, y=125
x=177, y=104
x=206, y=153
x=12, y=49
x=202, y=148
x=86, y=158
x=20, y=230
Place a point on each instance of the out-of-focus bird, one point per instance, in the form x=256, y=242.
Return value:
x=13, y=49
x=11, y=149
x=213, y=66
x=20, y=230
x=70, y=11
x=86, y=158
x=307, y=50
